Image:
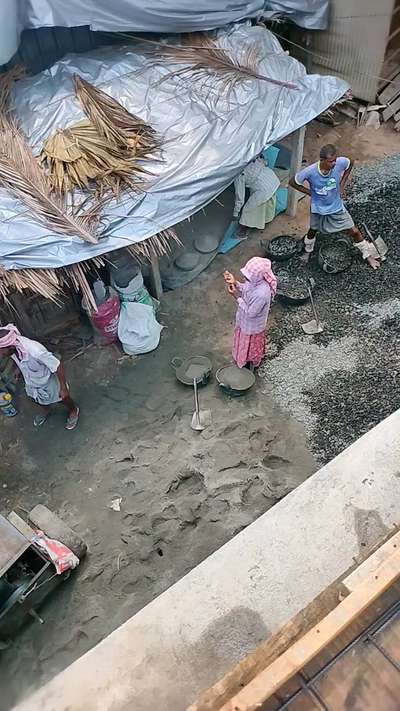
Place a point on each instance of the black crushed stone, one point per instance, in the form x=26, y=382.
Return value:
x=346, y=404
x=291, y=283
x=283, y=246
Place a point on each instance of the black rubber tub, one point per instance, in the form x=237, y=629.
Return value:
x=282, y=247
x=335, y=254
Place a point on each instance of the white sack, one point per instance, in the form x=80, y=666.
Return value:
x=138, y=329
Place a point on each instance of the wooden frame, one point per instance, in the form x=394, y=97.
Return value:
x=372, y=563
x=290, y=662
x=242, y=674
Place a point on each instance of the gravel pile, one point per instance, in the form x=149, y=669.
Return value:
x=344, y=381
x=377, y=314
x=300, y=364
x=384, y=173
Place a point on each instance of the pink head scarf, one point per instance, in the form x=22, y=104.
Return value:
x=12, y=339
x=259, y=268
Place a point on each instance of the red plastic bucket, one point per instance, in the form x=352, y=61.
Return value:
x=105, y=321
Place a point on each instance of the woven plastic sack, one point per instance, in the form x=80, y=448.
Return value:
x=62, y=557
x=135, y=291
x=138, y=329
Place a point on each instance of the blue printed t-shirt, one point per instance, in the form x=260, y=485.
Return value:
x=325, y=189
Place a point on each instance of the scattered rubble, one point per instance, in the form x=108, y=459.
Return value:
x=370, y=115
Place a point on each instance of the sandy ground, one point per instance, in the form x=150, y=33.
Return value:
x=182, y=494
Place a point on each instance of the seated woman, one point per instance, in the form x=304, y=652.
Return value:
x=259, y=209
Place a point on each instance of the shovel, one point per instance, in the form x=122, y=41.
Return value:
x=378, y=244
x=201, y=418
x=314, y=326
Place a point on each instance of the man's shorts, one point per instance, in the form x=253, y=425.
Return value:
x=328, y=224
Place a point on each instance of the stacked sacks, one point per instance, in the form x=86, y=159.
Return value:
x=138, y=328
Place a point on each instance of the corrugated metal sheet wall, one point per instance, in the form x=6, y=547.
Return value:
x=40, y=48
x=354, y=45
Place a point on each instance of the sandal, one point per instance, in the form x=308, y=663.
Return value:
x=72, y=420
x=39, y=420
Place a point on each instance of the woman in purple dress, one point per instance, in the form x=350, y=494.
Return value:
x=253, y=298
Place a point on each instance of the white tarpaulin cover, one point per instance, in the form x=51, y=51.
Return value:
x=162, y=16
x=208, y=138
x=310, y=14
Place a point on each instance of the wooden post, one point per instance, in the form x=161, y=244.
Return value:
x=156, y=283
x=308, y=56
x=295, y=166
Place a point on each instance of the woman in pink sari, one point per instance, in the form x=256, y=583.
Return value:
x=253, y=298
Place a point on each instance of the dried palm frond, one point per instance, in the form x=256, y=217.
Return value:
x=205, y=58
x=107, y=151
x=22, y=176
x=155, y=246
x=75, y=275
x=7, y=81
x=80, y=157
x=51, y=283
x=111, y=119
x=44, y=282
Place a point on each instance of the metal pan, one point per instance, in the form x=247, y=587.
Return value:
x=293, y=289
x=235, y=381
x=197, y=368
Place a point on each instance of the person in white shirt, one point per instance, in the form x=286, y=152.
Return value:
x=43, y=374
x=262, y=184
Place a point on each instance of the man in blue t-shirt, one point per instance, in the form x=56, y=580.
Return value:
x=327, y=180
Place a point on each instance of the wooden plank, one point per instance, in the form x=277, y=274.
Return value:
x=357, y=628
x=295, y=165
x=391, y=90
x=331, y=651
x=390, y=76
x=372, y=563
x=269, y=650
x=391, y=109
x=269, y=681
x=53, y=526
x=21, y=525
x=277, y=643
